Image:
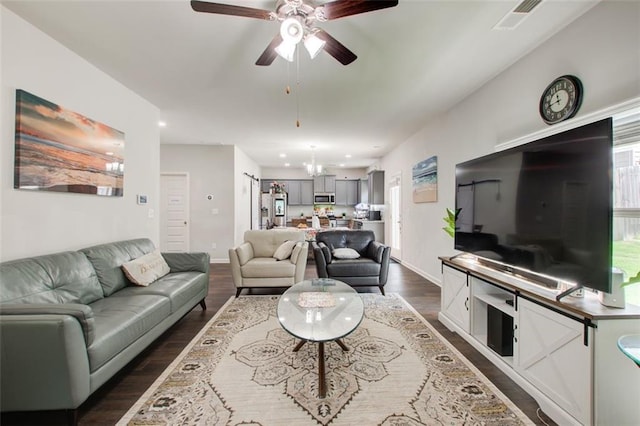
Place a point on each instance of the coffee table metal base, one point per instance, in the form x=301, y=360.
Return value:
x=322, y=381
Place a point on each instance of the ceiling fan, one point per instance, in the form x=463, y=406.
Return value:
x=298, y=19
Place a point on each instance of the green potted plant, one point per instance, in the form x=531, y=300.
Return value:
x=632, y=280
x=450, y=220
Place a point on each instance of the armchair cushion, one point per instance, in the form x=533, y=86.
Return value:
x=345, y=253
x=284, y=250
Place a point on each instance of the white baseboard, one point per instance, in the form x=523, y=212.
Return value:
x=436, y=280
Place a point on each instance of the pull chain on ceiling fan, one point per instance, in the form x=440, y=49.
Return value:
x=298, y=20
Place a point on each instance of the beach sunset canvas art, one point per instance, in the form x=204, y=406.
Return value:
x=60, y=150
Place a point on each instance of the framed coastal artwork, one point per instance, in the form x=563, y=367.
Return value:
x=60, y=150
x=425, y=181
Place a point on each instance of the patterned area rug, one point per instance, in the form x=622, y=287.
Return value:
x=240, y=370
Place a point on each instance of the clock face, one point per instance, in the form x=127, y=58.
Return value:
x=561, y=99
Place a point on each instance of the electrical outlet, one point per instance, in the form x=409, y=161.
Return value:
x=151, y=213
x=215, y=211
x=214, y=245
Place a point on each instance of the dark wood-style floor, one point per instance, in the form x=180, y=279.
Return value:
x=109, y=403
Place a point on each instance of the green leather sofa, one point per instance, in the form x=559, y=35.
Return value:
x=69, y=321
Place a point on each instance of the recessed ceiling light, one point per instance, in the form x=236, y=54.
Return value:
x=283, y=155
x=109, y=153
x=348, y=156
x=162, y=123
x=341, y=164
x=287, y=164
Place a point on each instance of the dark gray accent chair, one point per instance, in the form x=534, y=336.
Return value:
x=370, y=269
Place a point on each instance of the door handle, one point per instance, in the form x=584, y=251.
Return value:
x=185, y=222
x=466, y=303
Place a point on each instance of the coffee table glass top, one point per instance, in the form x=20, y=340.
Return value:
x=320, y=310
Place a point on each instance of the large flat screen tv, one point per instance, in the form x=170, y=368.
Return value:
x=544, y=207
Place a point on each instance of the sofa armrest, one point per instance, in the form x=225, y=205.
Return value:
x=82, y=313
x=299, y=258
x=185, y=262
x=375, y=251
x=322, y=257
x=44, y=363
x=244, y=252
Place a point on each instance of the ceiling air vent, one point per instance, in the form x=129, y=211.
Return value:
x=514, y=18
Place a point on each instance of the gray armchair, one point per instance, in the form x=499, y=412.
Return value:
x=371, y=268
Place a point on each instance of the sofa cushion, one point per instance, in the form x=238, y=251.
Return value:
x=122, y=319
x=107, y=260
x=265, y=242
x=284, y=250
x=146, y=269
x=267, y=267
x=353, y=267
x=65, y=277
x=357, y=239
x=345, y=253
x=179, y=287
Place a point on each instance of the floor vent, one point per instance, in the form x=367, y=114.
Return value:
x=514, y=18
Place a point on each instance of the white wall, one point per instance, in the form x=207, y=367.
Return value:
x=245, y=188
x=211, y=172
x=602, y=48
x=33, y=223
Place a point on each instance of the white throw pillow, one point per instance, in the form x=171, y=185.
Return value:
x=345, y=253
x=284, y=251
x=146, y=269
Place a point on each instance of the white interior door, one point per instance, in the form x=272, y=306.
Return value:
x=395, y=216
x=174, y=212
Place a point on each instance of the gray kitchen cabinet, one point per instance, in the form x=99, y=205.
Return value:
x=376, y=187
x=352, y=192
x=306, y=192
x=363, y=191
x=293, y=192
x=265, y=184
x=347, y=192
x=324, y=183
x=341, y=192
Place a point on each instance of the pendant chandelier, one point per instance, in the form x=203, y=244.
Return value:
x=313, y=169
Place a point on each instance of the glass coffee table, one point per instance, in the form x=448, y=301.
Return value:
x=320, y=310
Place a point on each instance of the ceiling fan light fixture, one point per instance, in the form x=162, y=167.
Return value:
x=313, y=44
x=292, y=30
x=286, y=50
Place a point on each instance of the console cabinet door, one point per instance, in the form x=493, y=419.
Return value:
x=552, y=356
x=455, y=297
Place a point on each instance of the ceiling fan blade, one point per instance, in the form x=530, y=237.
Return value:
x=341, y=8
x=228, y=9
x=270, y=54
x=336, y=49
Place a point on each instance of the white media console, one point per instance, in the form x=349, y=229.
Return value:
x=563, y=353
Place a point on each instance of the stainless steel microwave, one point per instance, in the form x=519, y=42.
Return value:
x=324, y=198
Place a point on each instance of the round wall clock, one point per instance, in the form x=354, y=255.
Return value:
x=561, y=99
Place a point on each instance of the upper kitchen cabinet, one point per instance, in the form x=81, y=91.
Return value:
x=324, y=183
x=265, y=185
x=306, y=192
x=299, y=192
x=347, y=192
x=293, y=192
x=376, y=187
x=363, y=191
